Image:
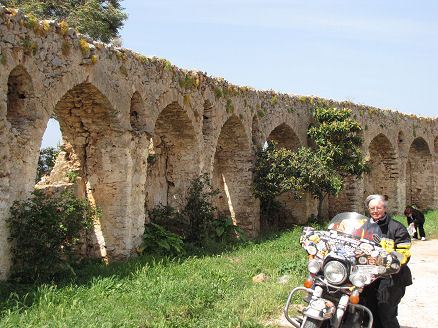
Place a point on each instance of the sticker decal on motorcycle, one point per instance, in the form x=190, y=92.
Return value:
x=311, y=250
x=362, y=260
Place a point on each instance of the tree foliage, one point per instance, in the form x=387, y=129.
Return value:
x=320, y=170
x=100, y=19
x=46, y=161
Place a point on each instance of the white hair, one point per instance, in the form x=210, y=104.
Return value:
x=372, y=197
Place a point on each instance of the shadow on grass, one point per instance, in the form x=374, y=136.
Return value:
x=16, y=296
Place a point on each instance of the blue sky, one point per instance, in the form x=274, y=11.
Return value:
x=378, y=53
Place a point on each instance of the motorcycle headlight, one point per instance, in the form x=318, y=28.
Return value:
x=313, y=266
x=335, y=272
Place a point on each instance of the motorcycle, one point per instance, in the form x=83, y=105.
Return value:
x=342, y=260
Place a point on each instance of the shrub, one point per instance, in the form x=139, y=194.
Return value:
x=63, y=27
x=196, y=223
x=71, y=176
x=218, y=92
x=84, y=47
x=43, y=233
x=199, y=210
x=160, y=241
x=169, y=218
x=224, y=230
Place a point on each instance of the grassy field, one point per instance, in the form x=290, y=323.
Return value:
x=196, y=291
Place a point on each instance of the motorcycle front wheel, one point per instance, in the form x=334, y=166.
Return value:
x=311, y=323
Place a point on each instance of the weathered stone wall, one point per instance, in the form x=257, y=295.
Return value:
x=137, y=130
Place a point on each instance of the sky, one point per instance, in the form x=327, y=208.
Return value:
x=377, y=53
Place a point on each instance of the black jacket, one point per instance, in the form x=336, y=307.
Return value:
x=417, y=217
x=396, y=238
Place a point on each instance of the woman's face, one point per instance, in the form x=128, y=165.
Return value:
x=377, y=209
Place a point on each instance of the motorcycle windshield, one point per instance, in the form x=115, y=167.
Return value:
x=356, y=225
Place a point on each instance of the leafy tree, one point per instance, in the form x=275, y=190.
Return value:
x=100, y=19
x=273, y=176
x=46, y=161
x=320, y=171
x=338, y=150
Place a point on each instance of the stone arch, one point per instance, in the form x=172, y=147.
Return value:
x=285, y=137
x=22, y=114
x=95, y=146
x=21, y=99
x=173, y=159
x=137, y=113
x=419, y=175
x=293, y=209
x=384, y=175
x=232, y=175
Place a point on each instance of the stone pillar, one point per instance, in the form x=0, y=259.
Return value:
x=4, y=192
x=115, y=179
x=401, y=185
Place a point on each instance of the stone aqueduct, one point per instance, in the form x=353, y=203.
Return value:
x=137, y=130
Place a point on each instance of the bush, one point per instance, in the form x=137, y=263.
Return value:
x=196, y=223
x=43, y=233
x=225, y=231
x=170, y=219
x=199, y=210
x=158, y=240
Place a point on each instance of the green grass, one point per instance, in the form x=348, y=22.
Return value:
x=197, y=291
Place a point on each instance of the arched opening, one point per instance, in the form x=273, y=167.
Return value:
x=50, y=149
x=173, y=159
x=285, y=137
x=384, y=175
x=19, y=148
x=419, y=175
x=137, y=112
x=21, y=99
x=98, y=154
x=232, y=175
x=22, y=114
x=292, y=209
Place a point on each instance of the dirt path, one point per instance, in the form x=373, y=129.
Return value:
x=419, y=306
